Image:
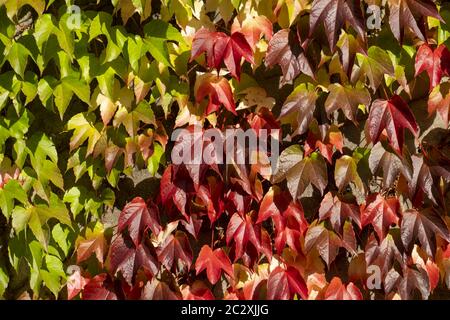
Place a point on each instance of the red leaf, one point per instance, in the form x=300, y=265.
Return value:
x=279, y=206
x=439, y=101
x=380, y=213
x=238, y=202
x=421, y=259
x=218, y=91
x=283, y=284
x=394, y=116
x=99, y=288
x=324, y=138
x=338, y=291
x=337, y=211
x=253, y=27
x=128, y=259
x=436, y=63
x=197, y=291
x=349, y=238
x=94, y=243
x=288, y=217
x=243, y=230
x=175, y=249
x=175, y=187
x=137, y=217
x=220, y=47
x=214, y=262
x=75, y=283
x=211, y=196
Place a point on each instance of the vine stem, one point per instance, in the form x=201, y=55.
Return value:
x=383, y=85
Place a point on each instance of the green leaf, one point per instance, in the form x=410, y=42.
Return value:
x=13, y=6
x=54, y=265
x=37, y=216
x=52, y=281
x=65, y=37
x=158, y=49
x=83, y=130
x=162, y=30
x=61, y=236
x=155, y=159
x=134, y=51
x=375, y=65
x=100, y=25
x=346, y=174
x=46, y=86
x=63, y=96
x=80, y=88
x=18, y=127
x=43, y=29
x=18, y=57
x=10, y=192
x=35, y=265
x=106, y=82
x=157, y=33
x=4, y=280
x=29, y=86
x=64, y=91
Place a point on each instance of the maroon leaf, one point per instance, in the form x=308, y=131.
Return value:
x=420, y=183
x=389, y=163
x=283, y=284
x=175, y=248
x=394, y=116
x=220, y=47
x=337, y=211
x=137, y=217
x=326, y=242
x=423, y=225
x=383, y=255
x=128, y=259
x=211, y=196
x=99, y=288
x=410, y=14
x=284, y=50
x=334, y=14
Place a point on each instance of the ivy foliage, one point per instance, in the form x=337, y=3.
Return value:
x=92, y=206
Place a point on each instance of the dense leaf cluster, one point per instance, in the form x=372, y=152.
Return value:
x=93, y=207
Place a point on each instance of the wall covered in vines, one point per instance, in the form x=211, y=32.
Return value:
x=351, y=202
